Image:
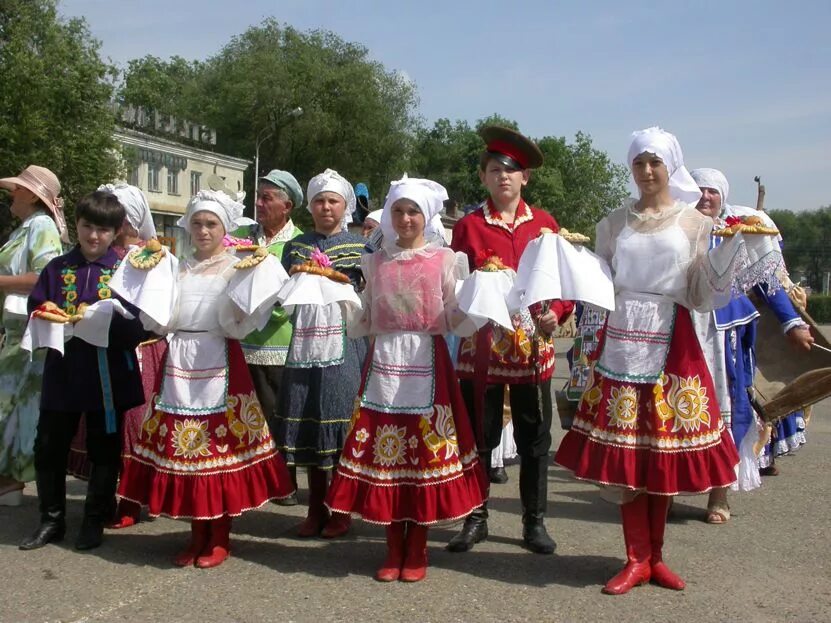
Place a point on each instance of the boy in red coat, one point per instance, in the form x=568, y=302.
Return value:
x=494, y=357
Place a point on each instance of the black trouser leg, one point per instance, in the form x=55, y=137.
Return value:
x=104, y=451
x=267, y=381
x=532, y=412
x=54, y=436
x=475, y=528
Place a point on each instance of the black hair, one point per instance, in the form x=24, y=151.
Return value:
x=101, y=208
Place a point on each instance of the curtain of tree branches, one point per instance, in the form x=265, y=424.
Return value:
x=55, y=101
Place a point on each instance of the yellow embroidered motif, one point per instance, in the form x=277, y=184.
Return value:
x=689, y=401
x=662, y=409
x=623, y=407
x=388, y=449
x=442, y=435
x=237, y=426
x=251, y=414
x=356, y=411
x=152, y=419
x=191, y=439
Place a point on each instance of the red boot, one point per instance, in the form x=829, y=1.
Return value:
x=635, y=517
x=317, y=514
x=338, y=525
x=415, y=559
x=218, y=548
x=127, y=515
x=661, y=574
x=199, y=533
x=391, y=569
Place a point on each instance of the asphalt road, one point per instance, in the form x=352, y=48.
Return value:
x=772, y=562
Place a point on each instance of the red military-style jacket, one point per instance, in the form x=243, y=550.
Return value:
x=524, y=355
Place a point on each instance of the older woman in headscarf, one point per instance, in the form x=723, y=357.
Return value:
x=648, y=426
x=205, y=452
x=323, y=366
x=731, y=355
x=138, y=228
x=410, y=460
x=30, y=247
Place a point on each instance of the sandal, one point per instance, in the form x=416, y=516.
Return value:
x=718, y=515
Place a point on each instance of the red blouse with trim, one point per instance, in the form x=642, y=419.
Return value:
x=524, y=355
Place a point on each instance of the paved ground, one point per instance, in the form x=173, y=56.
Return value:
x=772, y=562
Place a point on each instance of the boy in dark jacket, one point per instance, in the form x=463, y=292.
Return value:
x=101, y=383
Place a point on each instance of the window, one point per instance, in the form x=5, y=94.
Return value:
x=195, y=182
x=153, y=178
x=172, y=182
x=134, y=176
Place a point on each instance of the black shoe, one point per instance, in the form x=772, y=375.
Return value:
x=475, y=530
x=289, y=501
x=47, y=532
x=536, y=538
x=498, y=475
x=91, y=534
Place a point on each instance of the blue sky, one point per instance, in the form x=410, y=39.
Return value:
x=746, y=86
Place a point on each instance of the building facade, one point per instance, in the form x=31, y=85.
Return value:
x=170, y=172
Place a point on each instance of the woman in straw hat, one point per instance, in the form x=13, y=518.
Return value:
x=36, y=203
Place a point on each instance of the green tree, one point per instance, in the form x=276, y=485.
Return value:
x=577, y=183
x=159, y=85
x=805, y=246
x=55, y=105
x=358, y=118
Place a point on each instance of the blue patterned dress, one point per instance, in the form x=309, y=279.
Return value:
x=317, y=398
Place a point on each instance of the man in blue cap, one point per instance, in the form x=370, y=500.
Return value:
x=265, y=351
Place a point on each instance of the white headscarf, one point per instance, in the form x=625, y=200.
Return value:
x=428, y=195
x=332, y=181
x=375, y=215
x=664, y=145
x=712, y=178
x=228, y=210
x=135, y=205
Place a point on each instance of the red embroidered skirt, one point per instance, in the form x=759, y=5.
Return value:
x=665, y=438
x=206, y=466
x=411, y=467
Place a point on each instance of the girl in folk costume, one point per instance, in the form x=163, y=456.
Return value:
x=323, y=366
x=137, y=230
x=204, y=451
x=410, y=460
x=648, y=424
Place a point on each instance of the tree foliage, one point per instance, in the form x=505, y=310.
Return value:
x=805, y=238
x=55, y=104
x=577, y=183
x=358, y=118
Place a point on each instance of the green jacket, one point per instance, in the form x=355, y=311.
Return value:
x=269, y=346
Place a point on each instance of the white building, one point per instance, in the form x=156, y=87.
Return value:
x=170, y=172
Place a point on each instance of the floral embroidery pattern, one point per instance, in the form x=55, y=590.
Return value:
x=251, y=414
x=361, y=436
x=69, y=289
x=689, y=401
x=389, y=447
x=191, y=439
x=623, y=404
